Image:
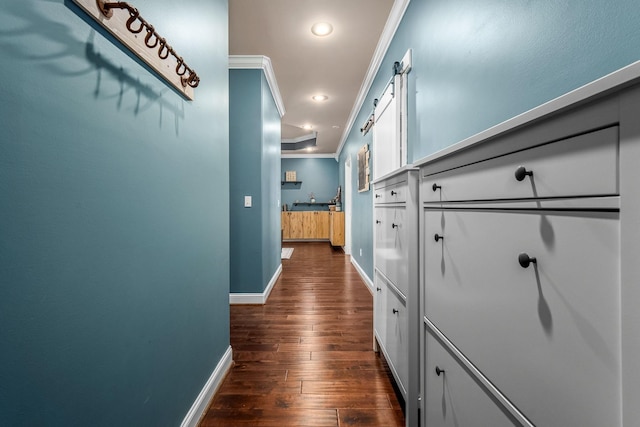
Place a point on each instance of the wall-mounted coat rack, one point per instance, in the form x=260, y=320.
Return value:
x=125, y=23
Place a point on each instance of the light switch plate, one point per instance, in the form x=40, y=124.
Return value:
x=247, y=201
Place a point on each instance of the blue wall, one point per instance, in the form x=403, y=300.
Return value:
x=318, y=175
x=254, y=132
x=477, y=64
x=114, y=256
x=271, y=140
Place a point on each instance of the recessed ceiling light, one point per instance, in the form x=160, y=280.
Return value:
x=319, y=98
x=307, y=127
x=335, y=127
x=321, y=29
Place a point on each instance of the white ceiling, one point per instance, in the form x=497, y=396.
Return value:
x=306, y=65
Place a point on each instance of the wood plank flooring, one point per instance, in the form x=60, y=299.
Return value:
x=305, y=358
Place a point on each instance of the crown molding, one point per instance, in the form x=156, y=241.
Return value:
x=239, y=62
x=393, y=21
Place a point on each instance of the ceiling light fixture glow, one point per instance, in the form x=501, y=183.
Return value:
x=307, y=127
x=321, y=29
x=319, y=98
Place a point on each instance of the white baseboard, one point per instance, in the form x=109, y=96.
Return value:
x=363, y=275
x=206, y=394
x=256, y=298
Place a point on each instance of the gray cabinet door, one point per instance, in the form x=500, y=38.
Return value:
x=547, y=335
x=454, y=398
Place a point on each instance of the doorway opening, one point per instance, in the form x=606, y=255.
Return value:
x=347, y=205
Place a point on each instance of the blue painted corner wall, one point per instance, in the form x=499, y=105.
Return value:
x=317, y=175
x=114, y=255
x=254, y=131
x=477, y=64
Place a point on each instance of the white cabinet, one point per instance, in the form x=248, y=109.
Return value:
x=528, y=271
x=543, y=327
x=560, y=169
x=454, y=398
x=396, y=300
x=391, y=244
x=391, y=329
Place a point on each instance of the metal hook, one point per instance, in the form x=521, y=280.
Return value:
x=163, y=46
x=181, y=65
x=106, y=10
x=134, y=17
x=151, y=32
x=193, y=80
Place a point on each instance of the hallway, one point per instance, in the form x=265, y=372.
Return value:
x=305, y=358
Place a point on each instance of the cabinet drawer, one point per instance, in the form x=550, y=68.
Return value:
x=379, y=308
x=390, y=321
x=584, y=165
x=397, y=343
x=391, y=245
x=392, y=193
x=454, y=398
x=548, y=335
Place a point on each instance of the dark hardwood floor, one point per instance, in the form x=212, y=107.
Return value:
x=305, y=358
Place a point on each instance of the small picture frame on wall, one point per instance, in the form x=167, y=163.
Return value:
x=290, y=176
x=363, y=168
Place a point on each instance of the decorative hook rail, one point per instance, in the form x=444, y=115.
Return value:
x=181, y=69
x=166, y=61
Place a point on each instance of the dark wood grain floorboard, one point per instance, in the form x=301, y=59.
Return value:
x=305, y=358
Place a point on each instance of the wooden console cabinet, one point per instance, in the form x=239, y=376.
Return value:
x=305, y=225
x=336, y=228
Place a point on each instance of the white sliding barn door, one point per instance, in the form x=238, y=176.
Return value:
x=386, y=132
x=390, y=144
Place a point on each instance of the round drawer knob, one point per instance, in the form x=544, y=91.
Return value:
x=522, y=172
x=439, y=371
x=435, y=187
x=438, y=237
x=394, y=193
x=378, y=289
x=378, y=196
x=395, y=225
x=525, y=260
x=378, y=221
x=395, y=311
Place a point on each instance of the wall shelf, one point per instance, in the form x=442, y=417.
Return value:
x=312, y=204
x=291, y=182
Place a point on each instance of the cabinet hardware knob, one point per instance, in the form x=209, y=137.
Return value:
x=378, y=196
x=435, y=187
x=378, y=221
x=378, y=289
x=522, y=172
x=394, y=193
x=395, y=225
x=525, y=260
x=439, y=371
x=395, y=311
x=437, y=237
